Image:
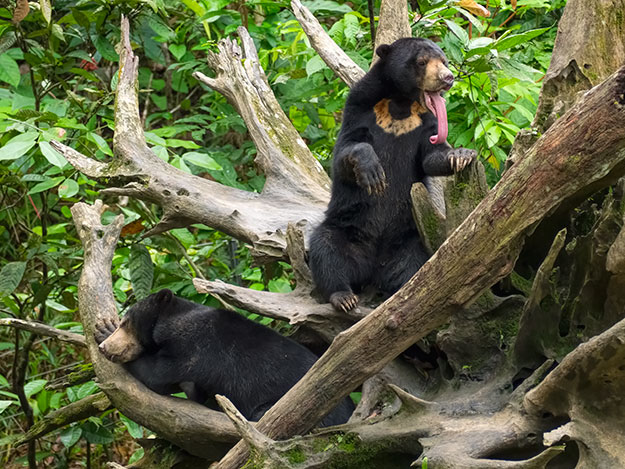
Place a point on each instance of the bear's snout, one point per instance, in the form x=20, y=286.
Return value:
x=447, y=77
x=121, y=346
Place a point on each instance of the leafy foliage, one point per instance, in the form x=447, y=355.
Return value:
x=58, y=74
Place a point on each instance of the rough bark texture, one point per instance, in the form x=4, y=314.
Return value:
x=466, y=405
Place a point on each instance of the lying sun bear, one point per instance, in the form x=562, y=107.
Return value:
x=172, y=345
x=394, y=134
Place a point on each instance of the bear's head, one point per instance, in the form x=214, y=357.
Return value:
x=134, y=335
x=415, y=65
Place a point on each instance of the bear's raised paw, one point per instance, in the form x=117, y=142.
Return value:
x=370, y=176
x=460, y=158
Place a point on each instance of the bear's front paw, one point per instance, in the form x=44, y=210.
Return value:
x=104, y=328
x=460, y=158
x=370, y=176
x=344, y=300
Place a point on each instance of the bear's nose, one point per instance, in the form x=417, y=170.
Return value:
x=447, y=77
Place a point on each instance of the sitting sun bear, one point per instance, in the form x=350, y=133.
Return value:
x=394, y=134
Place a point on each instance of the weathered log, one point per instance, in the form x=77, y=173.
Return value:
x=187, y=424
x=588, y=388
x=480, y=252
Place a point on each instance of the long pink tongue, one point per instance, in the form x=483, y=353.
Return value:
x=436, y=103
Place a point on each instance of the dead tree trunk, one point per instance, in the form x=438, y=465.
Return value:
x=475, y=407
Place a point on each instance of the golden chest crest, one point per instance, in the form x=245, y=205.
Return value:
x=397, y=127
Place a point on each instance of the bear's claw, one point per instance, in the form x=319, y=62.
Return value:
x=104, y=328
x=371, y=177
x=460, y=158
x=344, y=300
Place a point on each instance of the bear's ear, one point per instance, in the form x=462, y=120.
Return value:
x=164, y=296
x=383, y=50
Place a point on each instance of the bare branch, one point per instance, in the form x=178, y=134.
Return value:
x=330, y=52
x=44, y=329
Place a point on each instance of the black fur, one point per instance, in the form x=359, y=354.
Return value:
x=206, y=351
x=368, y=235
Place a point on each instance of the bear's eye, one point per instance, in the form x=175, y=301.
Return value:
x=421, y=62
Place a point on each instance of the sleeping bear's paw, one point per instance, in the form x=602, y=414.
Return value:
x=344, y=300
x=460, y=158
x=104, y=328
x=370, y=176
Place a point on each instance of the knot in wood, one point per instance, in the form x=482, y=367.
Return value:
x=393, y=321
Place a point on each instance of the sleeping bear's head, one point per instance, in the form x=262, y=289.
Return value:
x=415, y=66
x=134, y=335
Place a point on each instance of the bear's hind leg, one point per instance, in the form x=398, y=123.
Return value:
x=399, y=262
x=338, y=265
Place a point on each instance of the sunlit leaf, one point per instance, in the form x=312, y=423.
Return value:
x=53, y=156
x=18, y=146
x=33, y=387
x=202, y=160
x=46, y=10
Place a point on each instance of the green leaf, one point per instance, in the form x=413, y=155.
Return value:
x=68, y=188
x=86, y=389
x=33, y=387
x=5, y=404
x=135, y=430
x=511, y=40
x=352, y=26
x=70, y=436
x=96, y=435
x=178, y=50
x=279, y=285
x=11, y=276
x=458, y=31
x=105, y=48
x=327, y=6
x=184, y=236
x=9, y=70
x=202, y=160
x=100, y=143
x=518, y=70
x=141, y=270
x=53, y=156
x=44, y=186
x=175, y=143
x=18, y=146
x=161, y=28
x=315, y=65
